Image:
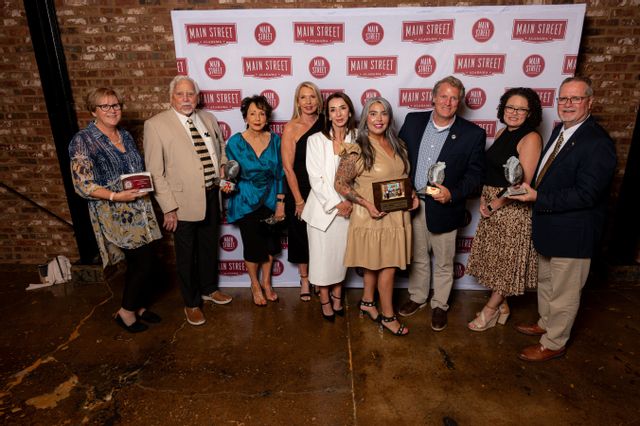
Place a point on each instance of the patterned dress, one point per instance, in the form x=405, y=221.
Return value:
x=383, y=243
x=97, y=163
x=502, y=255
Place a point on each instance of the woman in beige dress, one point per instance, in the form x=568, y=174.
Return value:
x=378, y=242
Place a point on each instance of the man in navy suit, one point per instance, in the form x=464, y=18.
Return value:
x=569, y=196
x=440, y=136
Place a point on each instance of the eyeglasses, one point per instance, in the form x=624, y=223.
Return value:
x=519, y=111
x=574, y=99
x=107, y=107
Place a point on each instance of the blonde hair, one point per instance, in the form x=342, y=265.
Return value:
x=296, y=105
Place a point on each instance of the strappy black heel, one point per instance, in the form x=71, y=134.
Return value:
x=330, y=318
x=305, y=297
x=367, y=313
x=400, y=332
x=339, y=312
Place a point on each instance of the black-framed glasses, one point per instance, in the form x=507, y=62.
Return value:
x=574, y=99
x=107, y=107
x=519, y=111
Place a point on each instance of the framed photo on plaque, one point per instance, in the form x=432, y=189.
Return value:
x=392, y=195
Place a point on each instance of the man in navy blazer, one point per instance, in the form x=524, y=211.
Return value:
x=440, y=136
x=569, y=196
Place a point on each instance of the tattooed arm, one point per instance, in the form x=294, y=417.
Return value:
x=345, y=177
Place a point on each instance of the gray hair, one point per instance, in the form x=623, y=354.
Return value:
x=179, y=78
x=579, y=79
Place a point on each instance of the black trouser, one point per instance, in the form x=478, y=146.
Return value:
x=137, y=282
x=196, y=245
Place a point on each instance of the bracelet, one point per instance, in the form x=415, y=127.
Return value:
x=113, y=194
x=489, y=208
x=279, y=200
x=300, y=203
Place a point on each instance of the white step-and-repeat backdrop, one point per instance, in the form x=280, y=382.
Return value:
x=398, y=53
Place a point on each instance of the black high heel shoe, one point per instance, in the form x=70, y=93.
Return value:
x=330, y=318
x=305, y=297
x=148, y=316
x=339, y=312
x=399, y=332
x=367, y=313
x=136, y=327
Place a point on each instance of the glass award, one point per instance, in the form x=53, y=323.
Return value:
x=435, y=174
x=231, y=171
x=515, y=175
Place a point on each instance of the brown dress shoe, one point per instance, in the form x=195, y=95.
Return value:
x=531, y=329
x=194, y=316
x=438, y=319
x=410, y=307
x=538, y=352
x=217, y=297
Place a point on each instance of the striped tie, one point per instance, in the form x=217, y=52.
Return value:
x=203, y=153
x=552, y=157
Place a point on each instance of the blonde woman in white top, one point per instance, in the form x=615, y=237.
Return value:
x=327, y=212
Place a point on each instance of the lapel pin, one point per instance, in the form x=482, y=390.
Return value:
x=453, y=137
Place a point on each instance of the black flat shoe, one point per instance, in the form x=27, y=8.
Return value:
x=150, y=317
x=136, y=327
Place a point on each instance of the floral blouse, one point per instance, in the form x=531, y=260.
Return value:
x=97, y=163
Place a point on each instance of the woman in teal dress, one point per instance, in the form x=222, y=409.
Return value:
x=258, y=202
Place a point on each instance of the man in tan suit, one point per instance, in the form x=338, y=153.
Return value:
x=184, y=150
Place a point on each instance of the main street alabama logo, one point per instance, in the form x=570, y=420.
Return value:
x=211, y=34
x=265, y=34
x=318, y=32
x=539, y=30
x=569, y=64
x=425, y=66
x=266, y=66
x=221, y=100
x=372, y=33
x=428, y=31
x=215, y=68
x=482, y=30
x=372, y=66
x=479, y=64
x=416, y=98
x=489, y=126
x=319, y=67
x=533, y=65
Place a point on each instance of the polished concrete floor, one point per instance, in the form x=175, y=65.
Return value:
x=64, y=361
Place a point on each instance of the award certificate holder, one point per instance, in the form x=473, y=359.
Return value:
x=392, y=195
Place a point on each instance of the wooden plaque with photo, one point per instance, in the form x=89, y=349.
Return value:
x=392, y=195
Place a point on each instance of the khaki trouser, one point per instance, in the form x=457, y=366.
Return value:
x=560, y=282
x=443, y=247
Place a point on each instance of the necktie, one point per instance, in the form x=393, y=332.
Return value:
x=552, y=157
x=203, y=153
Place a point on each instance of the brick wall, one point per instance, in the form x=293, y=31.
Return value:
x=129, y=44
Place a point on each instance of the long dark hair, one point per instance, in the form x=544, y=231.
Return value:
x=368, y=153
x=351, y=122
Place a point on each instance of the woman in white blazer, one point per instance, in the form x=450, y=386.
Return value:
x=326, y=212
